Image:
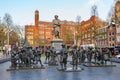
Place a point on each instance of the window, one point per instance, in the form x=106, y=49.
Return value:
x=42, y=37
x=109, y=33
x=48, y=33
x=41, y=25
x=109, y=39
x=113, y=39
x=85, y=35
x=41, y=32
x=112, y=33
x=112, y=44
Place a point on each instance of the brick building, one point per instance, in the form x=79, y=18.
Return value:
x=41, y=32
x=89, y=31
x=114, y=27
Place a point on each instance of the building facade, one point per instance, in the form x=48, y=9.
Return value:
x=86, y=33
x=93, y=31
x=41, y=32
x=89, y=31
x=114, y=27
x=117, y=21
x=102, y=38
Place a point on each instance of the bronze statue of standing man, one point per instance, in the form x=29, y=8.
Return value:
x=56, y=28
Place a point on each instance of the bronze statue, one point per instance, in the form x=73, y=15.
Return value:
x=63, y=57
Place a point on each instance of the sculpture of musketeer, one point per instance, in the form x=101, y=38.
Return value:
x=63, y=57
x=75, y=57
x=107, y=55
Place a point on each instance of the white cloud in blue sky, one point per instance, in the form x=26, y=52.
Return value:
x=22, y=11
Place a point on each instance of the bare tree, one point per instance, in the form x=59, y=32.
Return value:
x=8, y=24
x=78, y=19
x=77, y=29
x=94, y=25
x=19, y=30
x=94, y=10
x=7, y=20
x=110, y=14
x=115, y=0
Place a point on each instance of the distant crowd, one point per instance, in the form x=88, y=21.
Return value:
x=3, y=51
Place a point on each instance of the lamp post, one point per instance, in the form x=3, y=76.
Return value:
x=75, y=32
x=94, y=36
x=74, y=37
x=8, y=39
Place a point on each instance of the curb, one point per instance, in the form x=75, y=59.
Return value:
x=4, y=60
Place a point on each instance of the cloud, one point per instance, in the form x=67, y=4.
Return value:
x=92, y=2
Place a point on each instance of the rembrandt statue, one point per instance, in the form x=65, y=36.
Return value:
x=56, y=28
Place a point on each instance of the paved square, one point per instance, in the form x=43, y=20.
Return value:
x=51, y=73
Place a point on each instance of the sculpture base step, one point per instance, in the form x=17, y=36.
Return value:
x=98, y=65
x=25, y=68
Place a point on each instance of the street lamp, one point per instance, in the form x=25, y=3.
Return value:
x=8, y=39
x=8, y=36
x=75, y=32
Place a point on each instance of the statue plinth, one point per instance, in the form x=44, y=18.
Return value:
x=56, y=43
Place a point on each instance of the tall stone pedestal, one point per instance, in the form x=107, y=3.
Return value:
x=56, y=43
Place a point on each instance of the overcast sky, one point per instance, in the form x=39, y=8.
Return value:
x=22, y=11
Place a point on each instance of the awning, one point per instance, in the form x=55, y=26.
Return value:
x=117, y=47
